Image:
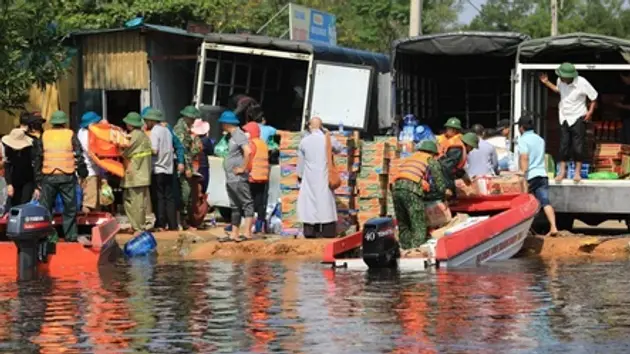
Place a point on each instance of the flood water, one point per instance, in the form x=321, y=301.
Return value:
x=518, y=306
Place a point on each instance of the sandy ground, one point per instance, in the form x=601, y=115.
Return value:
x=608, y=241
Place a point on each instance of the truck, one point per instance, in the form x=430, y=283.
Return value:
x=600, y=59
x=484, y=77
x=293, y=81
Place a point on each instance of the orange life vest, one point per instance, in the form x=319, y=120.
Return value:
x=443, y=142
x=105, y=139
x=58, y=152
x=457, y=143
x=414, y=168
x=259, y=163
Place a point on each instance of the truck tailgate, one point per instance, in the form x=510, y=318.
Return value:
x=590, y=196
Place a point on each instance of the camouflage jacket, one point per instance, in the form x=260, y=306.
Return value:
x=191, y=150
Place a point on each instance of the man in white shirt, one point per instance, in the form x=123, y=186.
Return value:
x=90, y=184
x=162, y=194
x=573, y=113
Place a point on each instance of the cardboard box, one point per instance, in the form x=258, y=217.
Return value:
x=509, y=184
x=458, y=219
x=287, y=159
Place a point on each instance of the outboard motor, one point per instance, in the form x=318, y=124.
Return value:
x=29, y=227
x=380, y=246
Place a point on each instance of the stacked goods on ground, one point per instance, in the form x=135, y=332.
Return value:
x=347, y=162
x=372, y=178
x=289, y=187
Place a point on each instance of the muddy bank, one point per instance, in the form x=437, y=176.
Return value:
x=202, y=245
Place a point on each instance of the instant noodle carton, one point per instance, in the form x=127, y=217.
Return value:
x=288, y=158
x=368, y=189
x=369, y=174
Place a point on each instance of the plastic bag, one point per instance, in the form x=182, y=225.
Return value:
x=107, y=194
x=603, y=175
x=221, y=148
x=272, y=145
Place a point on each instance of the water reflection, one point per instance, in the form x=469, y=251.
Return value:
x=292, y=307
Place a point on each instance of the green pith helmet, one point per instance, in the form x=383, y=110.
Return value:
x=428, y=146
x=453, y=123
x=471, y=139
x=190, y=112
x=134, y=120
x=566, y=71
x=59, y=117
x=154, y=114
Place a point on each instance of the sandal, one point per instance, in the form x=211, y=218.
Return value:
x=225, y=239
x=243, y=238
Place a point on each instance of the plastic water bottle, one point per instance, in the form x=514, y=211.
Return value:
x=340, y=128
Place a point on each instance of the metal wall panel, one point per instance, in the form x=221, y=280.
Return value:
x=115, y=61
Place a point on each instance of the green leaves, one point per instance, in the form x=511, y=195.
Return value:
x=533, y=17
x=31, y=51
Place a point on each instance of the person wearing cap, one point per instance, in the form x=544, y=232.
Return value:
x=90, y=183
x=573, y=114
x=499, y=138
x=419, y=176
x=182, y=131
x=258, y=174
x=137, y=178
x=19, y=175
x=162, y=196
x=236, y=165
x=454, y=160
x=531, y=149
x=482, y=161
x=452, y=134
x=58, y=159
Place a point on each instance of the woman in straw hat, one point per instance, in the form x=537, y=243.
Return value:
x=19, y=167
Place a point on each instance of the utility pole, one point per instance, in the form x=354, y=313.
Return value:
x=415, y=18
x=554, y=17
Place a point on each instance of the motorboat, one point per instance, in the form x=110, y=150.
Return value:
x=69, y=255
x=497, y=231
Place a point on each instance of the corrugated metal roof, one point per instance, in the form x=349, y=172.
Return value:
x=320, y=50
x=146, y=26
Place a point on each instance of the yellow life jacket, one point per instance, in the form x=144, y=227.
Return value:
x=259, y=170
x=414, y=168
x=58, y=152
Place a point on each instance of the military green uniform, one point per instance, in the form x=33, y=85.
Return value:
x=452, y=158
x=409, y=199
x=191, y=150
x=64, y=184
x=409, y=209
x=137, y=178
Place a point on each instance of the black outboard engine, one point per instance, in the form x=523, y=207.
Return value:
x=380, y=246
x=29, y=227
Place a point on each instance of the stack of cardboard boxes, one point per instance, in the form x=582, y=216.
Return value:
x=347, y=162
x=612, y=158
x=372, y=181
x=289, y=188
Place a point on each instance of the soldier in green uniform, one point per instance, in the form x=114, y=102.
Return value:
x=57, y=157
x=191, y=150
x=454, y=161
x=409, y=197
x=137, y=177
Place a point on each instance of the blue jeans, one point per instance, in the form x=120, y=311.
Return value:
x=539, y=187
x=504, y=164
